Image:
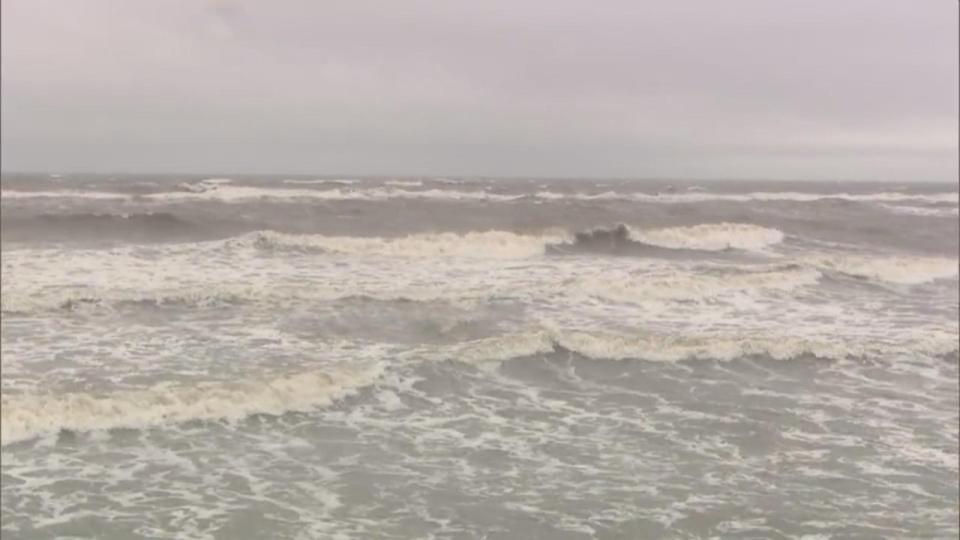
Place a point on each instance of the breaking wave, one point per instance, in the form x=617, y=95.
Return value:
x=27, y=416
x=901, y=270
x=17, y=302
x=710, y=237
x=403, y=183
x=222, y=191
x=24, y=417
x=671, y=197
x=338, y=181
x=490, y=244
x=697, y=286
x=121, y=277
x=204, y=191
x=62, y=194
x=922, y=211
x=510, y=245
x=672, y=348
x=31, y=302
x=705, y=237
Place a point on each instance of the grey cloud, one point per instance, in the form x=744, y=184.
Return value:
x=743, y=88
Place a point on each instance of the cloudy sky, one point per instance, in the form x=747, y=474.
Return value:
x=789, y=89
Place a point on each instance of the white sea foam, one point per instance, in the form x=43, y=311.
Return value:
x=557, y=196
x=118, y=281
x=922, y=211
x=698, y=285
x=403, y=183
x=234, y=193
x=794, y=196
x=435, y=266
x=672, y=348
x=80, y=299
x=505, y=244
x=710, y=236
x=511, y=245
x=341, y=181
x=489, y=244
x=904, y=270
x=24, y=417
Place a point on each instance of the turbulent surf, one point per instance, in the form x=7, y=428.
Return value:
x=301, y=340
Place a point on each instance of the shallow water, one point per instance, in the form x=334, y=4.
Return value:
x=415, y=358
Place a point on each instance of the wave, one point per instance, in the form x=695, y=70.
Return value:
x=922, y=211
x=101, y=227
x=204, y=185
x=674, y=348
x=489, y=244
x=510, y=245
x=710, y=237
x=32, y=301
x=247, y=193
x=235, y=194
x=119, y=289
x=62, y=194
x=791, y=196
x=16, y=302
x=227, y=193
x=617, y=240
x=24, y=417
x=699, y=286
x=33, y=281
x=124, y=220
x=123, y=291
x=902, y=270
x=27, y=416
x=338, y=181
x=403, y=183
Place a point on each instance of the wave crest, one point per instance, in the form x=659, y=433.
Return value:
x=488, y=244
x=24, y=417
x=711, y=237
x=700, y=286
x=901, y=270
x=672, y=348
x=220, y=190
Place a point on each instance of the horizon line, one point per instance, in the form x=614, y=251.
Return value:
x=334, y=176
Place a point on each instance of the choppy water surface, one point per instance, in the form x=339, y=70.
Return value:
x=450, y=358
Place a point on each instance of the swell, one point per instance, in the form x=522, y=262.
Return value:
x=486, y=244
x=100, y=221
x=95, y=227
x=758, y=196
x=671, y=241
x=226, y=272
x=222, y=191
x=24, y=417
x=674, y=348
x=27, y=416
x=213, y=295
x=935, y=211
x=709, y=237
x=234, y=194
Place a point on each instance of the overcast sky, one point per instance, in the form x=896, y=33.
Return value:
x=788, y=89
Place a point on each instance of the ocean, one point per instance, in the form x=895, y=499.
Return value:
x=302, y=357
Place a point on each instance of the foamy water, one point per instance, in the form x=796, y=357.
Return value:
x=314, y=358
